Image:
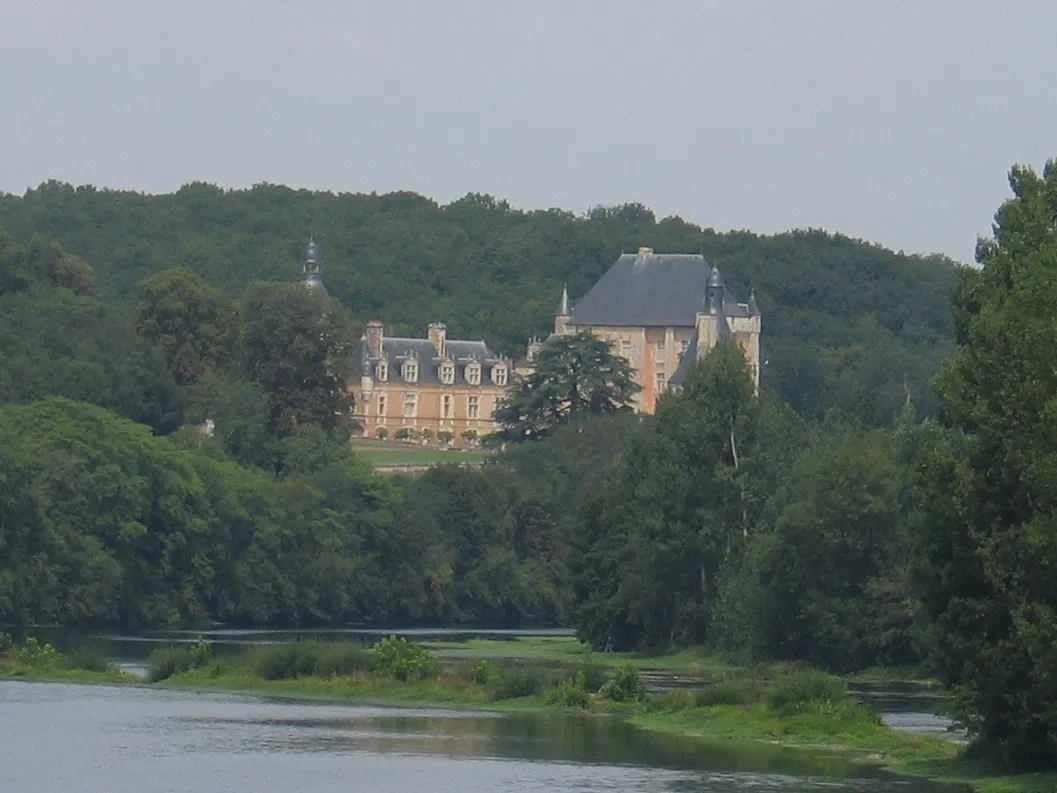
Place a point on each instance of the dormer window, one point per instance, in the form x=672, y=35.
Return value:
x=447, y=373
x=473, y=374
x=383, y=372
x=499, y=375
x=411, y=371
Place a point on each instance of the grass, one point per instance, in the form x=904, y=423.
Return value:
x=380, y=453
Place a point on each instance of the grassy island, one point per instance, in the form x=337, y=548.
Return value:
x=792, y=708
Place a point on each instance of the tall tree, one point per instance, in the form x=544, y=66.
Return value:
x=297, y=350
x=990, y=491
x=576, y=377
x=194, y=324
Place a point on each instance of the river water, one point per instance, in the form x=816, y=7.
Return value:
x=62, y=738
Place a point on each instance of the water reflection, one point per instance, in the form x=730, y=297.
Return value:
x=89, y=738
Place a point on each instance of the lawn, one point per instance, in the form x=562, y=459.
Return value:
x=395, y=453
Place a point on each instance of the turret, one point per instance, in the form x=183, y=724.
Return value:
x=312, y=268
x=715, y=292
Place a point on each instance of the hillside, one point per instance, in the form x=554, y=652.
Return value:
x=846, y=324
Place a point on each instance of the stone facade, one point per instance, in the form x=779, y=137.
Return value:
x=662, y=312
x=429, y=388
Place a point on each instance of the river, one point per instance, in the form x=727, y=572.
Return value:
x=63, y=738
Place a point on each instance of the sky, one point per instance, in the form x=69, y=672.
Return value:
x=894, y=121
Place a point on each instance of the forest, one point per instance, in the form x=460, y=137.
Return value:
x=886, y=499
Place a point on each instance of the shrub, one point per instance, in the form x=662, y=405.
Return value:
x=626, y=685
x=37, y=656
x=799, y=690
x=445, y=437
x=427, y=434
x=729, y=692
x=91, y=659
x=6, y=642
x=485, y=673
x=571, y=693
x=286, y=661
x=338, y=660
x=165, y=662
x=670, y=702
x=381, y=433
x=514, y=682
x=398, y=658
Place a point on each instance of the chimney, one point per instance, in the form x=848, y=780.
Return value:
x=644, y=252
x=375, y=335
x=438, y=335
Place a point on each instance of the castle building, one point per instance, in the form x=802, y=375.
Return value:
x=662, y=313
x=429, y=388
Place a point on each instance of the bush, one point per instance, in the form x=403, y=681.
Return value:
x=91, y=659
x=342, y=660
x=485, y=673
x=38, y=657
x=729, y=692
x=404, y=661
x=6, y=642
x=165, y=662
x=571, y=693
x=626, y=685
x=445, y=437
x=594, y=675
x=381, y=433
x=670, y=702
x=805, y=689
x=514, y=682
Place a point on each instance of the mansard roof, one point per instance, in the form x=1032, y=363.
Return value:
x=396, y=350
x=651, y=290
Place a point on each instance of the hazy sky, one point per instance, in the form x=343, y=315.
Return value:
x=893, y=120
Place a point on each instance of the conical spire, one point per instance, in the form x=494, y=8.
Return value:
x=563, y=306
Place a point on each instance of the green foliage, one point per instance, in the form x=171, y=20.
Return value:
x=795, y=691
x=37, y=657
x=626, y=685
x=165, y=662
x=571, y=693
x=90, y=659
x=515, y=681
x=6, y=642
x=291, y=660
x=987, y=488
x=397, y=657
x=485, y=673
x=575, y=377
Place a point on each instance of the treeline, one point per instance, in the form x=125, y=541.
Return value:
x=847, y=325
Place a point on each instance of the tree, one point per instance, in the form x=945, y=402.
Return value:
x=194, y=324
x=576, y=377
x=989, y=489
x=674, y=510
x=297, y=350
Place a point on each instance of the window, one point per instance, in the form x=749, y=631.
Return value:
x=383, y=405
x=499, y=375
x=662, y=382
x=447, y=373
x=473, y=407
x=658, y=350
x=473, y=374
x=410, y=405
x=411, y=371
x=383, y=371
x=445, y=406
x=625, y=348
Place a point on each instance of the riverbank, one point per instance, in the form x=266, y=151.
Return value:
x=800, y=711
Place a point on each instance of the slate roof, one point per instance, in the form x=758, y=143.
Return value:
x=654, y=290
x=314, y=281
x=396, y=350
